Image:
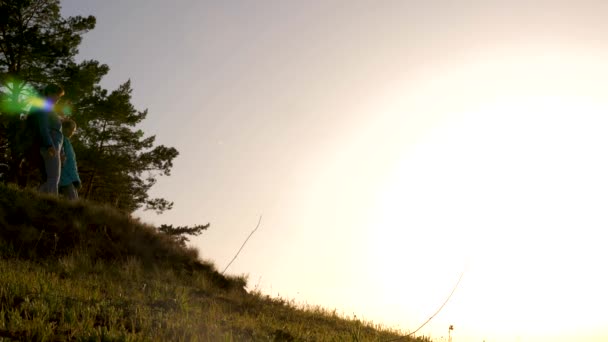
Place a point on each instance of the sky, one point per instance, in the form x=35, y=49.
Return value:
x=390, y=147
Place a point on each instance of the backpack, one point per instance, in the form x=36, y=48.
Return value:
x=28, y=144
x=28, y=139
x=24, y=143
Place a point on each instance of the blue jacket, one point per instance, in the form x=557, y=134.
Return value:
x=49, y=125
x=69, y=169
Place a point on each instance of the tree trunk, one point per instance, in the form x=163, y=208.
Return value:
x=99, y=150
x=90, y=185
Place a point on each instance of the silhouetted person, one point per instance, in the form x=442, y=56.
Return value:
x=51, y=137
x=69, y=182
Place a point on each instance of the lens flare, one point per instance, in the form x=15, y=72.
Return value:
x=64, y=108
x=37, y=102
x=26, y=99
x=9, y=107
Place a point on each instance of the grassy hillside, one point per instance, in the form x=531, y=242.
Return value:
x=76, y=271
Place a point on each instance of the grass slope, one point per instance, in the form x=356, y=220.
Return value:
x=78, y=271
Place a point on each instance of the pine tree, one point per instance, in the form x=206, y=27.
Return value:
x=181, y=233
x=118, y=162
x=36, y=44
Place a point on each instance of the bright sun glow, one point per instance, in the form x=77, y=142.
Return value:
x=508, y=183
x=496, y=168
x=516, y=194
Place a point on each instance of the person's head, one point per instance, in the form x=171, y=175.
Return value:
x=68, y=127
x=53, y=93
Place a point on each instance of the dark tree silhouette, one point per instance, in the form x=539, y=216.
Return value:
x=118, y=162
x=36, y=43
x=180, y=233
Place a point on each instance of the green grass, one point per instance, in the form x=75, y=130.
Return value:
x=77, y=271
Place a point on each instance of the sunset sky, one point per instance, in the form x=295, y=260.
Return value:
x=390, y=146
